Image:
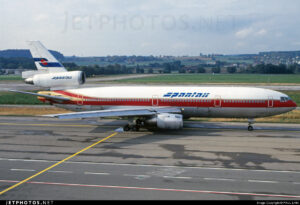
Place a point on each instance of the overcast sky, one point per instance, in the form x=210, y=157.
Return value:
x=154, y=27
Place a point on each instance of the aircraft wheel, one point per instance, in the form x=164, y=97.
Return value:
x=135, y=128
x=138, y=122
x=126, y=128
x=250, y=128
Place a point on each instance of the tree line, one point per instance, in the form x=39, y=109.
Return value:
x=163, y=67
x=16, y=63
x=273, y=69
x=93, y=70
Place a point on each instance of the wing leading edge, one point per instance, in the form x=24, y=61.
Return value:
x=138, y=112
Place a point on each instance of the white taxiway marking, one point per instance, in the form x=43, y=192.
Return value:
x=171, y=177
x=97, y=173
x=259, y=181
x=149, y=165
x=23, y=170
x=68, y=172
x=156, y=189
x=137, y=176
x=219, y=179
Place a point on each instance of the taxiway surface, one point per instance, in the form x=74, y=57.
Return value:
x=204, y=161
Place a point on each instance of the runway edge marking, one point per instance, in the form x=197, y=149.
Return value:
x=54, y=165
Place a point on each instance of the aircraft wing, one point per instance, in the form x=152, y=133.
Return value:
x=118, y=113
x=56, y=98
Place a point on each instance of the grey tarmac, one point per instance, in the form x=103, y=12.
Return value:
x=204, y=161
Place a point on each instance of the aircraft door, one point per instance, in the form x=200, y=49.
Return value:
x=270, y=102
x=217, y=101
x=154, y=100
x=79, y=99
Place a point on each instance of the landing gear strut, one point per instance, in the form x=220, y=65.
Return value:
x=250, y=122
x=134, y=127
x=128, y=127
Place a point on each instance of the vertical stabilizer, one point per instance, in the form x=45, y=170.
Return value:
x=43, y=59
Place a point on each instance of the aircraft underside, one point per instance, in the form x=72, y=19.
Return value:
x=135, y=123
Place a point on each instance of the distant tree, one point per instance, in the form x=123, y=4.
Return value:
x=167, y=68
x=182, y=70
x=150, y=70
x=216, y=69
x=271, y=69
x=293, y=68
x=231, y=69
x=137, y=68
x=200, y=69
x=18, y=62
x=70, y=65
x=176, y=65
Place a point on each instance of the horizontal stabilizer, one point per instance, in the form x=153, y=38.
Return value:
x=56, y=98
x=31, y=73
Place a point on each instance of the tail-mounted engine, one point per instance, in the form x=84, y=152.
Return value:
x=62, y=79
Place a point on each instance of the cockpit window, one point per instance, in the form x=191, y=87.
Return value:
x=284, y=99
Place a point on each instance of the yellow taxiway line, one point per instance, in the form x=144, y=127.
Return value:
x=54, y=165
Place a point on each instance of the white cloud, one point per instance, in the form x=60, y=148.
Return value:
x=40, y=17
x=240, y=44
x=244, y=33
x=159, y=27
x=297, y=43
x=261, y=32
x=250, y=32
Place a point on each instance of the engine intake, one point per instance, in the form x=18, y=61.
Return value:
x=166, y=121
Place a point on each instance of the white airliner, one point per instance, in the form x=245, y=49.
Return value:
x=162, y=107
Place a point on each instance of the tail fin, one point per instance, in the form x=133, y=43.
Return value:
x=44, y=60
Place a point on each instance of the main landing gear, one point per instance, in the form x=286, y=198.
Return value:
x=250, y=123
x=129, y=127
x=134, y=127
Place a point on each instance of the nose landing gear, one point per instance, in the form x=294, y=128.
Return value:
x=250, y=128
x=250, y=123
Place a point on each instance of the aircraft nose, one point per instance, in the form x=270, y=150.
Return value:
x=294, y=104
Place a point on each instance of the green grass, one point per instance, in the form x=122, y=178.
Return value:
x=18, y=99
x=216, y=78
x=10, y=77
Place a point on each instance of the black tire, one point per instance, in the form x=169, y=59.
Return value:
x=135, y=128
x=250, y=128
x=126, y=128
x=138, y=122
